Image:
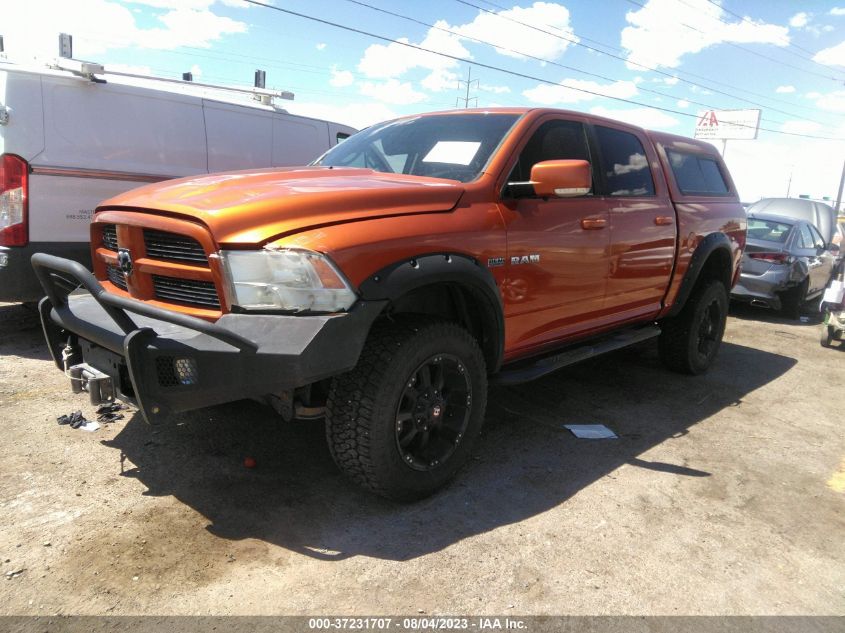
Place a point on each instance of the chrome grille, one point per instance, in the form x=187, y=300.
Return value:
x=189, y=291
x=116, y=275
x=110, y=237
x=162, y=245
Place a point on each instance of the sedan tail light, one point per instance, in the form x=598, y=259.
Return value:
x=14, y=192
x=772, y=258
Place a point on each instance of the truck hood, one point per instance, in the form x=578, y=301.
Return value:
x=250, y=207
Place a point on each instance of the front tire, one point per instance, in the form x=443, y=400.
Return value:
x=404, y=420
x=690, y=341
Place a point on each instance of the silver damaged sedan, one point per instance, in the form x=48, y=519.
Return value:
x=786, y=263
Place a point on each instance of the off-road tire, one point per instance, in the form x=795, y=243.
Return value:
x=361, y=408
x=791, y=300
x=687, y=344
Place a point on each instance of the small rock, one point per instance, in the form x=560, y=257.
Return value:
x=420, y=610
x=47, y=543
x=134, y=578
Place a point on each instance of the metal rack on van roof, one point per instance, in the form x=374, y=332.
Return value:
x=90, y=70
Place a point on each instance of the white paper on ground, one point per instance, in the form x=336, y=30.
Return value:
x=453, y=152
x=591, y=431
x=90, y=425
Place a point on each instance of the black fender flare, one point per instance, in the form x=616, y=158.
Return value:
x=400, y=278
x=709, y=245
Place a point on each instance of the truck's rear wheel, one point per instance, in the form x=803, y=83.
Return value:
x=690, y=341
x=404, y=420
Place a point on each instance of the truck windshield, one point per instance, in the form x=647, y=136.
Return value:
x=453, y=146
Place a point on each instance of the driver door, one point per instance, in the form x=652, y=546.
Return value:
x=558, y=248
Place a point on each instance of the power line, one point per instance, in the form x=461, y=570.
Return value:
x=788, y=41
x=640, y=65
x=748, y=50
x=514, y=73
x=675, y=74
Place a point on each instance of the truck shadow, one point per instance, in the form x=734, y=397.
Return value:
x=525, y=463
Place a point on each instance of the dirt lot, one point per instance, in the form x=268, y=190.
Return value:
x=724, y=495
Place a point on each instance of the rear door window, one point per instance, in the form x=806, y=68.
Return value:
x=805, y=239
x=818, y=240
x=697, y=175
x=624, y=163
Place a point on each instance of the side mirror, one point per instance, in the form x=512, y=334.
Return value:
x=562, y=178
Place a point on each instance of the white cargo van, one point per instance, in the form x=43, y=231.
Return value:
x=68, y=141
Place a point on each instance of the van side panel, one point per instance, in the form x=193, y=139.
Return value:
x=298, y=141
x=237, y=138
x=63, y=205
x=122, y=128
x=20, y=95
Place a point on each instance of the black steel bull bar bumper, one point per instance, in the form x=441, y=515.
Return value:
x=165, y=362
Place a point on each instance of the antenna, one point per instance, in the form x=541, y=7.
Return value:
x=468, y=81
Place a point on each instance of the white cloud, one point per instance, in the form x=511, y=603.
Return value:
x=682, y=103
x=833, y=56
x=671, y=81
x=494, y=89
x=799, y=20
x=439, y=80
x=503, y=30
x=832, y=101
x=800, y=127
x=341, y=78
x=572, y=91
x=357, y=115
x=392, y=60
x=30, y=28
x=655, y=35
x=321, y=46
x=644, y=117
x=785, y=89
x=837, y=11
x=392, y=91
x=196, y=71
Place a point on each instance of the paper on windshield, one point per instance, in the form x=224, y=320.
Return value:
x=453, y=152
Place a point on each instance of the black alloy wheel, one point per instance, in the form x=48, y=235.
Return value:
x=433, y=412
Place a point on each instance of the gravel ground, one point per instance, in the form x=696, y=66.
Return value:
x=724, y=494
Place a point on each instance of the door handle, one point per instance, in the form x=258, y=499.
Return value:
x=663, y=220
x=591, y=224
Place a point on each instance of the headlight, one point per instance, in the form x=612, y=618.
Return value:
x=285, y=279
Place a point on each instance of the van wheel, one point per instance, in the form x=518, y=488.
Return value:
x=690, y=341
x=404, y=420
x=792, y=299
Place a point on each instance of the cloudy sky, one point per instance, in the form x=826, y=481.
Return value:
x=656, y=63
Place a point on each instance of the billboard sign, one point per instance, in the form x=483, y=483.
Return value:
x=727, y=124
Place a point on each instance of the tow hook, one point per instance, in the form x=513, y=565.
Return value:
x=84, y=378
x=99, y=386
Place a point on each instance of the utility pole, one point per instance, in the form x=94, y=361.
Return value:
x=468, y=81
x=839, y=195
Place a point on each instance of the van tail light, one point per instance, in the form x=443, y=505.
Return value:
x=772, y=258
x=14, y=193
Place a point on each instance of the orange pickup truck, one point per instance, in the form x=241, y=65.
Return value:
x=384, y=286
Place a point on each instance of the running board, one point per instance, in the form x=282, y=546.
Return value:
x=548, y=364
